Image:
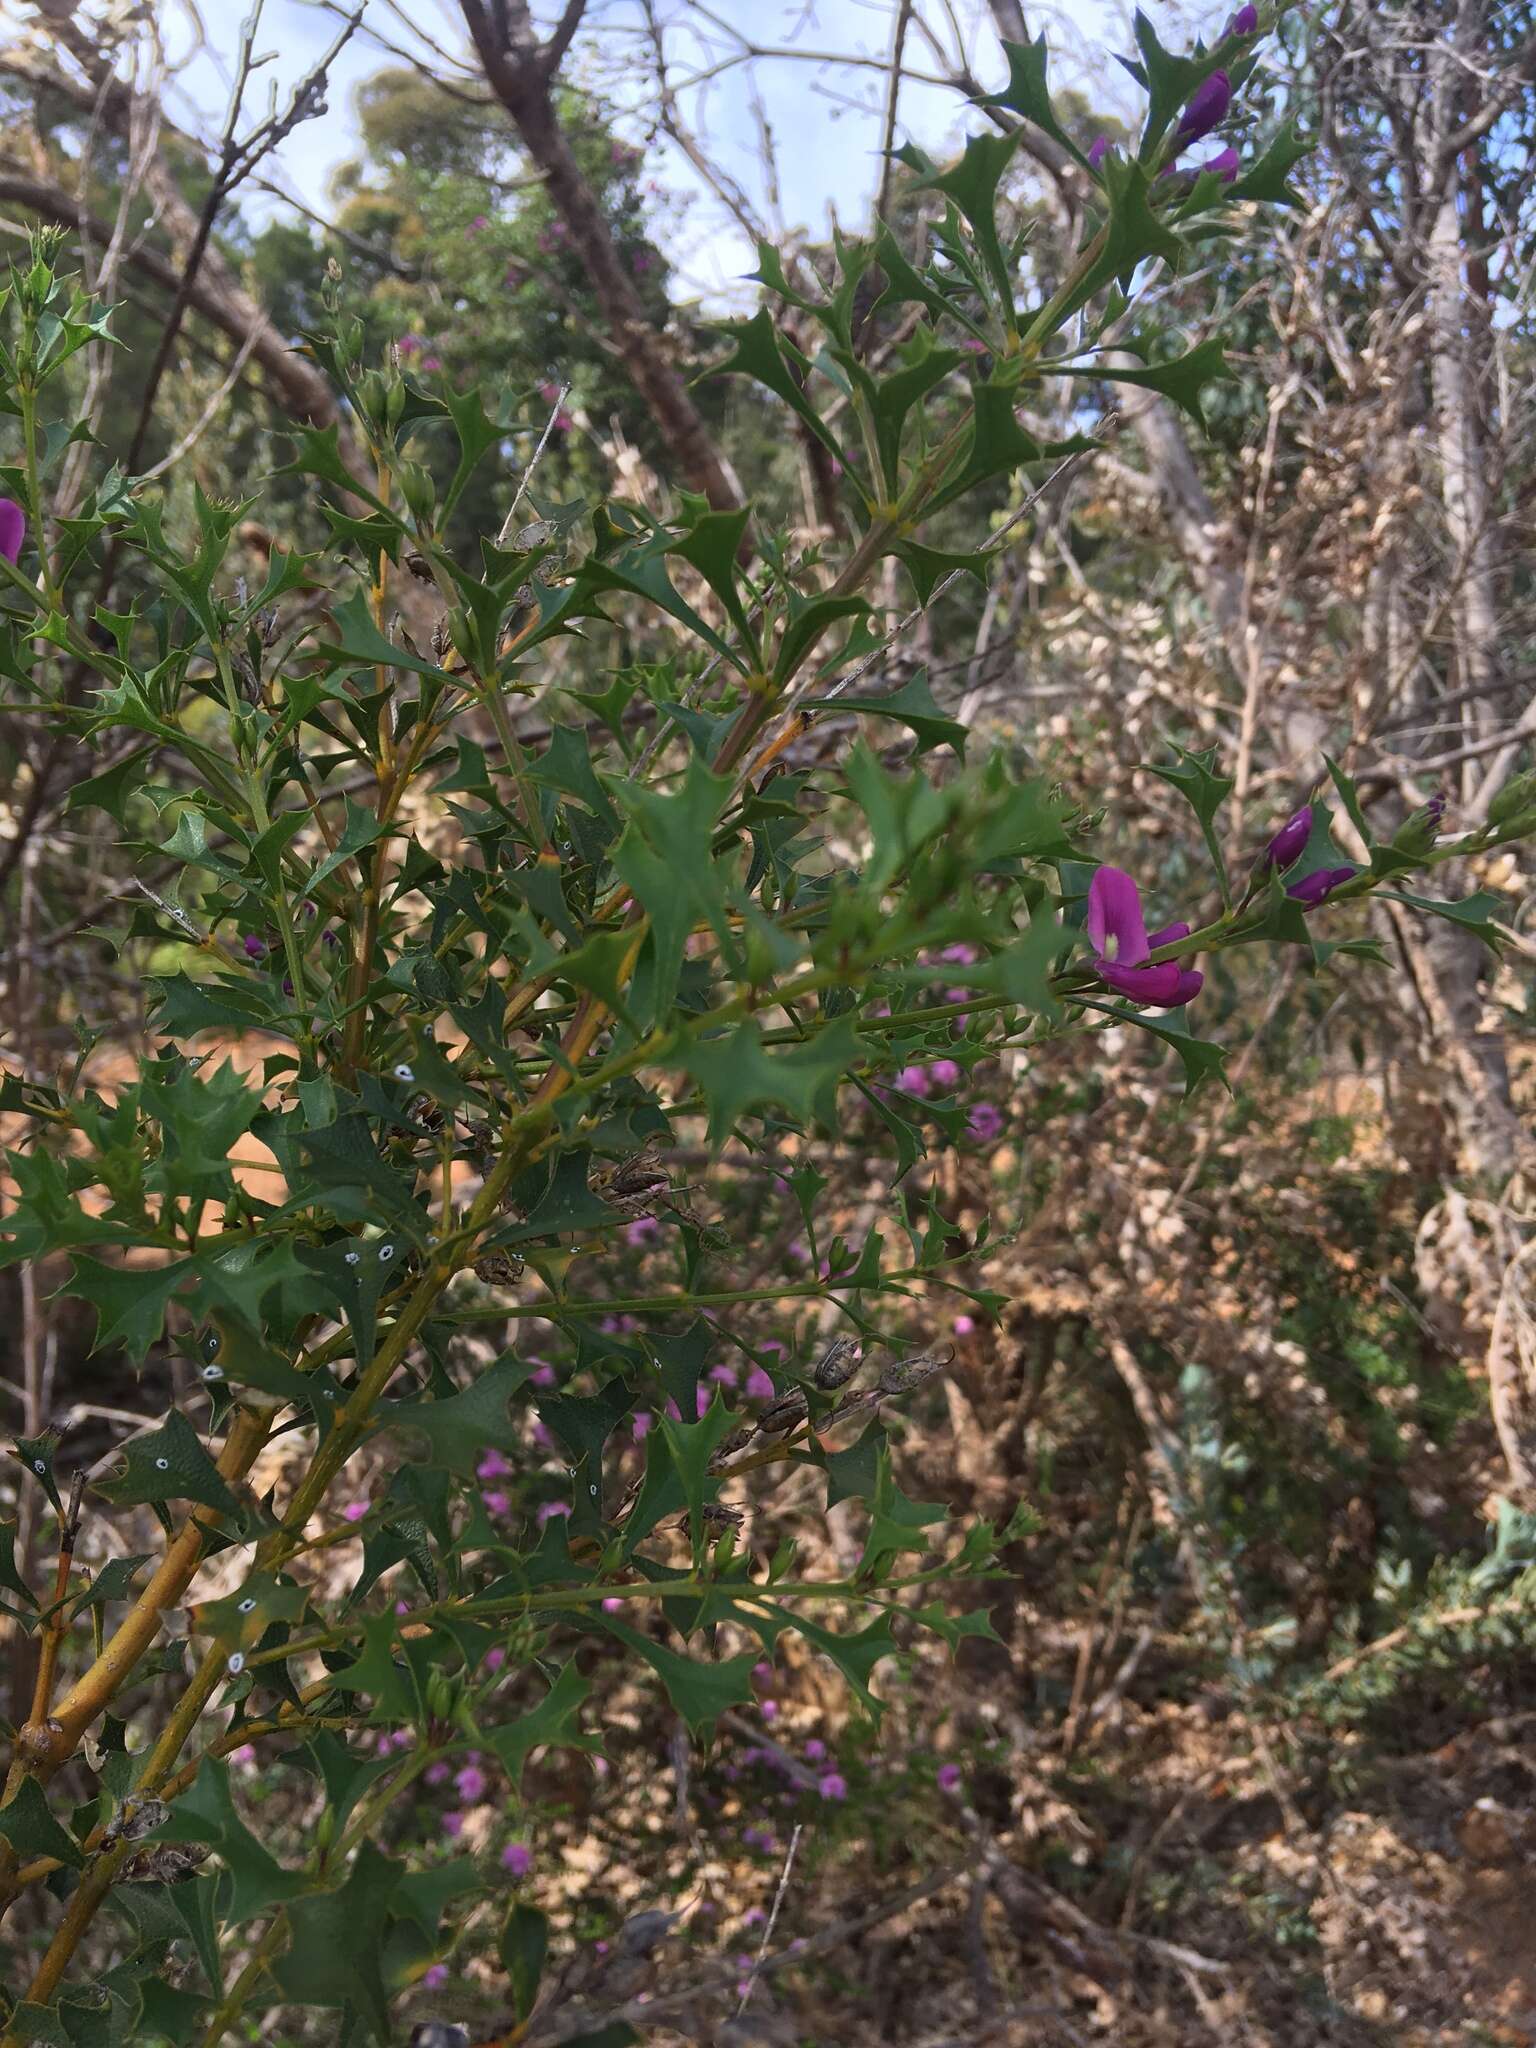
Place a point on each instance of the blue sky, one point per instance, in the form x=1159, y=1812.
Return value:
x=825, y=119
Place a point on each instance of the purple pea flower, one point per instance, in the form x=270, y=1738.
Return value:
x=255, y=949
x=1207, y=108
x=517, y=1858
x=949, y=1777
x=434, y=1977
x=1244, y=23
x=1226, y=165
x=1320, y=885
x=1121, y=946
x=1289, y=843
x=984, y=1121
x=471, y=1783
x=1098, y=149
x=946, y=1074
x=759, y=1386
x=552, y=1511
x=913, y=1080
x=833, y=1786
x=13, y=528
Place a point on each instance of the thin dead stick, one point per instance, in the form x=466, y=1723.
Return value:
x=778, y=1900
x=527, y=477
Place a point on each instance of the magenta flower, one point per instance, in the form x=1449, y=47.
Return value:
x=949, y=1777
x=1244, y=23
x=833, y=1786
x=495, y=1658
x=496, y=1502
x=1121, y=946
x=945, y=1074
x=1225, y=165
x=13, y=528
x=437, y=1774
x=493, y=1466
x=723, y=1375
x=552, y=1511
x=1320, y=885
x=477, y=225
x=431, y=362
x=613, y=1605
x=470, y=1783
x=354, y=1511
x=452, y=1825
x=640, y=1428
x=1098, y=149
x=815, y=1750
x=254, y=948
x=542, y=1376
x=517, y=1858
x=759, y=1386
x=984, y=1121
x=1207, y=108
x=1290, y=842
x=410, y=344
x=913, y=1080
x=434, y=1977
x=964, y=1326
x=643, y=1231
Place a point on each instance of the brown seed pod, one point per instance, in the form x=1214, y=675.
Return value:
x=165, y=1863
x=730, y=1445
x=717, y=1518
x=910, y=1373
x=638, y=1185
x=788, y=1412
x=424, y=1111
x=838, y=1363
x=498, y=1268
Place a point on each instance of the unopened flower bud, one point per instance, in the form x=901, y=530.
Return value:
x=1290, y=842
x=1207, y=108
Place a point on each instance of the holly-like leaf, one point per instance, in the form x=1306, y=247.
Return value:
x=130, y=1302
x=335, y=1945
x=1184, y=379
x=461, y=1427
x=1474, y=913
x=31, y=1829
x=555, y=1720
x=1028, y=92
x=205, y=1812
x=701, y=1692
x=170, y=1464
x=738, y=1074
x=913, y=705
x=759, y=354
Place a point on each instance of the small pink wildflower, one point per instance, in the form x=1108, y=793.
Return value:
x=833, y=1786
x=517, y=1858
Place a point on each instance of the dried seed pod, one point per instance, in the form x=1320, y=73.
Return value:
x=838, y=1363
x=165, y=1863
x=717, y=1518
x=424, y=1111
x=442, y=638
x=498, y=1268
x=788, y=1412
x=638, y=1185
x=730, y=1445
x=910, y=1373
x=419, y=567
